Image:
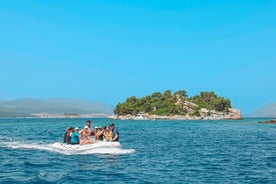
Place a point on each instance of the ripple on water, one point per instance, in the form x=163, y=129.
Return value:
x=165, y=152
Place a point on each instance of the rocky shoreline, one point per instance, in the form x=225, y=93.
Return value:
x=272, y=121
x=232, y=114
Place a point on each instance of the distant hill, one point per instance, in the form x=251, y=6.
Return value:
x=26, y=107
x=268, y=110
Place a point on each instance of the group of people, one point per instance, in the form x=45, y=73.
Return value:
x=84, y=136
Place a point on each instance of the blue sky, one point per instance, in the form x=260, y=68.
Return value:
x=109, y=50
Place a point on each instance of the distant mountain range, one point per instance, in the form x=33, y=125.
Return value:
x=27, y=107
x=268, y=110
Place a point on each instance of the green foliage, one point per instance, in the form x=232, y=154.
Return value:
x=210, y=100
x=181, y=93
x=195, y=113
x=167, y=104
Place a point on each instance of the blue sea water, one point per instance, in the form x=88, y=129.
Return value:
x=152, y=152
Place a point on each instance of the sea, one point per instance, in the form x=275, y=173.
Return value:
x=153, y=151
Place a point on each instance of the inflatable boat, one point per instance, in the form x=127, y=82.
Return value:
x=86, y=147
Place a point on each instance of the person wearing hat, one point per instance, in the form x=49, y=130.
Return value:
x=85, y=136
x=115, y=132
x=94, y=131
x=75, y=138
x=88, y=124
x=100, y=134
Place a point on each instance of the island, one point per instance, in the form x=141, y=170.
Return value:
x=176, y=106
x=272, y=121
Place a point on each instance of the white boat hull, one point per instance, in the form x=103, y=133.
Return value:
x=86, y=147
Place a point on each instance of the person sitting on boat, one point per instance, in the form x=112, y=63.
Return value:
x=85, y=136
x=100, y=134
x=93, y=134
x=67, y=135
x=108, y=134
x=94, y=131
x=75, y=138
x=115, y=132
x=88, y=124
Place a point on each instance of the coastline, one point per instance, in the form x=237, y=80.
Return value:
x=233, y=114
x=48, y=115
x=272, y=121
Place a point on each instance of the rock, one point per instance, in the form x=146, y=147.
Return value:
x=205, y=114
x=112, y=117
x=233, y=114
x=272, y=121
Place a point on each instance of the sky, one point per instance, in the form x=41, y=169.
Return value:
x=106, y=50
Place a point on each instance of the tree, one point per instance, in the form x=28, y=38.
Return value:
x=167, y=93
x=211, y=101
x=181, y=93
x=156, y=95
x=168, y=104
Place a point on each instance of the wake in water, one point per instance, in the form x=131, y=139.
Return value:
x=69, y=149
